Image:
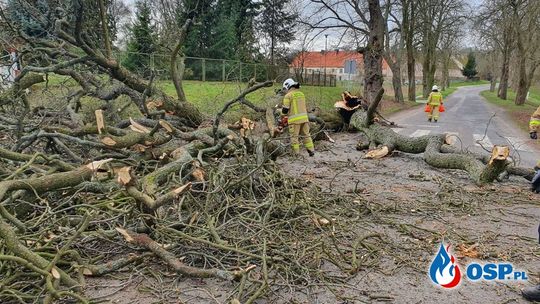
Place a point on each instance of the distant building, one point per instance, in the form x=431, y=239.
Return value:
x=345, y=65
x=349, y=65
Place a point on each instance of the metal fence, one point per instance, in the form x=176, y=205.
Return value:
x=208, y=69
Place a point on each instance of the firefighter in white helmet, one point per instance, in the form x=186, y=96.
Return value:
x=534, y=124
x=294, y=106
x=435, y=100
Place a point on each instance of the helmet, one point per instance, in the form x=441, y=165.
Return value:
x=435, y=88
x=287, y=84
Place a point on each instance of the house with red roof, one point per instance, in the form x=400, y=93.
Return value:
x=345, y=65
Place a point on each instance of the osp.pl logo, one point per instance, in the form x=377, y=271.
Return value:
x=445, y=272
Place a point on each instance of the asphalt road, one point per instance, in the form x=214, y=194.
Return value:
x=475, y=123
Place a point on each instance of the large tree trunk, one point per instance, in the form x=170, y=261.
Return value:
x=396, y=79
x=492, y=83
x=436, y=152
x=408, y=32
x=411, y=72
x=373, y=53
x=523, y=82
x=505, y=74
x=428, y=73
x=445, y=81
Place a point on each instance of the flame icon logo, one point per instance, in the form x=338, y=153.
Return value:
x=444, y=270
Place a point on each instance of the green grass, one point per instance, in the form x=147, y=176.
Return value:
x=468, y=83
x=210, y=97
x=519, y=114
x=454, y=86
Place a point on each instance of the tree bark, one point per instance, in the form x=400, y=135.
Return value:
x=431, y=146
x=408, y=32
x=505, y=74
x=105, y=29
x=373, y=53
x=396, y=79
x=177, y=75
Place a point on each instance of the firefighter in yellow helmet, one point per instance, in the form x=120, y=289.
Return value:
x=534, y=124
x=294, y=106
x=435, y=100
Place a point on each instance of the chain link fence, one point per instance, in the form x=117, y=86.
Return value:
x=218, y=70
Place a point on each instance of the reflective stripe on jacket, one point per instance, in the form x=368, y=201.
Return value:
x=435, y=99
x=534, y=123
x=295, y=101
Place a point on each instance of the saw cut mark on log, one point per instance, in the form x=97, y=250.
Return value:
x=378, y=153
x=137, y=127
x=100, y=121
x=499, y=153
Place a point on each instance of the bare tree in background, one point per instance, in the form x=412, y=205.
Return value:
x=362, y=18
x=393, y=47
x=436, y=17
x=526, y=30
x=448, y=48
x=409, y=13
x=298, y=57
x=495, y=27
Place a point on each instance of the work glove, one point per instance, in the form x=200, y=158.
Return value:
x=533, y=135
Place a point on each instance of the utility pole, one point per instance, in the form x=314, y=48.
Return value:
x=325, y=51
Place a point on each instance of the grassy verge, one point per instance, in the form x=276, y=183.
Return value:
x=210, y=97
x=519, y=114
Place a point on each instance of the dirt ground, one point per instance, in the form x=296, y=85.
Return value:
x=411, y=208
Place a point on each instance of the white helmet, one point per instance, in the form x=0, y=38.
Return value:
x=287, y=84
x=435, y=88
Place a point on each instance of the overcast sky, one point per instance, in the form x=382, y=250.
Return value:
x=335, y=38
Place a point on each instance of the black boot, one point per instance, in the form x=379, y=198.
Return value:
x=311, y=153
x=531, y=293
x=429, y=119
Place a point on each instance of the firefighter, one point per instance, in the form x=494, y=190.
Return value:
x=535, y=183
x=534, y=124
x=294, y=106
x=435, y=100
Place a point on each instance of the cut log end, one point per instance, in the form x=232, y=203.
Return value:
x=378, y=153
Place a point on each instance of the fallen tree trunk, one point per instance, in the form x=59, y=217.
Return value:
x=431, y=145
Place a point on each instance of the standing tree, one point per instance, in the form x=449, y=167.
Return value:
x=469, y=70
x=277, y=23
x=447, y=50
x=367, y=25
x=394, y=42
x=409, y=13
x=526, y=31
x=142, y=42
x=437, y=17
x=495, y=27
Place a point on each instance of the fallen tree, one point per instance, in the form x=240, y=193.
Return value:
x=437, y=152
